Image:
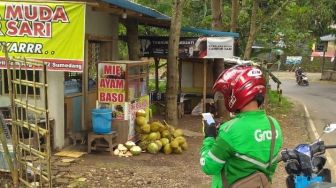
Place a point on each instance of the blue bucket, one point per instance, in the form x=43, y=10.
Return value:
x=101, y=121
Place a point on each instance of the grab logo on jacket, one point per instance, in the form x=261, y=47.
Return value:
x=261, y=135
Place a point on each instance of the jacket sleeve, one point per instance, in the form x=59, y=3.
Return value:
x=214, y=152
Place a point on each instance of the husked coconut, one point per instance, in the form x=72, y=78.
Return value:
x=129, y=144
x=116, y=152
x=121, y=147
x=135, y=150
x=152, y=148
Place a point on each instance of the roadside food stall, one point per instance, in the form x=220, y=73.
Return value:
x=122, y=88
x=196, y=65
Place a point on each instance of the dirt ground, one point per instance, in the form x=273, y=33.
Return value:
x=100, y=169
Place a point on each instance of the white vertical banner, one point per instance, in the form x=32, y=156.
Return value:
x=219, y=47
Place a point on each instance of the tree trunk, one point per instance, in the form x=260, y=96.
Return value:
x=132, y=39
x=253, y=29
x=218, y=65
x=172, y=67
x=216, y=15
x=234, y=15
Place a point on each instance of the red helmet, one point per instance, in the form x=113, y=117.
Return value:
x=239, y=86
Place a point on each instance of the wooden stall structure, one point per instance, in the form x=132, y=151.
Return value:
x=123, y=88
x=196, y=62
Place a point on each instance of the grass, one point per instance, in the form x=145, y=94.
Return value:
x=278, y=106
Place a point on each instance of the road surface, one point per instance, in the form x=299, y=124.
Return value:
x=320, y=101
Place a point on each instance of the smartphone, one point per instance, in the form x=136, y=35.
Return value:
x=207, y=117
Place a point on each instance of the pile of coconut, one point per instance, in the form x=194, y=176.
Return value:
x=127, y=150
x=155, y=137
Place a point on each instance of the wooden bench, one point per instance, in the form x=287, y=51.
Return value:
x=110, y=138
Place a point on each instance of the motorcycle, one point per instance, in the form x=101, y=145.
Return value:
x=305, y=164
x=302, y=80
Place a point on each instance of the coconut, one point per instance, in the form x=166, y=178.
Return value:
x=141, y=113
x=165, y=134
x=180, y=140
x=140, y=121
x=121, y=147
x=177, y=133
x=135, y=150
x=184, y=146
x=145, y=128
x=154, y=126
x=167, y=149
x=143, y=144
x=162, y=128
x=158, y=135
x=129, y=144
x=159, y=143
x=116, y=152
x=164, y=141
x=152, y=148
x=128, y=154
x=177, y=150
x=143, y=137
x=152, y=136
x=174, y=144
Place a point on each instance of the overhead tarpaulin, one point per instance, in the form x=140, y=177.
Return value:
x=53, y=32
x=189, y=47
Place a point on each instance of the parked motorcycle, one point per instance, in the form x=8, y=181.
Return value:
x=302, y=80
x=305, y=164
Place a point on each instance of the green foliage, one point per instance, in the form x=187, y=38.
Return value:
x=276, y=106
x=301, y=21
x=162, y=85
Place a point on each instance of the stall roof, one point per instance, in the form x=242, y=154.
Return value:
x=144, y=15
x=138, y=8
x=213, y=33
x=158, y=19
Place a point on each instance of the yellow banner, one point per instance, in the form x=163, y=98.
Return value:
x=53, y=32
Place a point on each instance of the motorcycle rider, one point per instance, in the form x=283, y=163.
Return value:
x=298, y=74
x=242, y=145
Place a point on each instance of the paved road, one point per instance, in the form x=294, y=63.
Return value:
x=320, y=100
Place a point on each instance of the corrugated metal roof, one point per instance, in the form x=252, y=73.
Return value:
x=205, y=32
x=138, y=8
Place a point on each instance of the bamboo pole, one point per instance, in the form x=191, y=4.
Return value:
x=13, y=116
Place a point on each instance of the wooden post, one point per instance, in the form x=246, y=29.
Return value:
x=204, y=84
x=180, y=76
x=323, y=61
x=156, y=61
x=13, y=115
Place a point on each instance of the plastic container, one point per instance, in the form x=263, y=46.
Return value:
x=303, y=181
x=101, y=121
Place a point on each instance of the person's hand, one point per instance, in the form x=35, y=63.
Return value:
x=210, y=130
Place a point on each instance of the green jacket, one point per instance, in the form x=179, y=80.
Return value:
x=241, y=148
